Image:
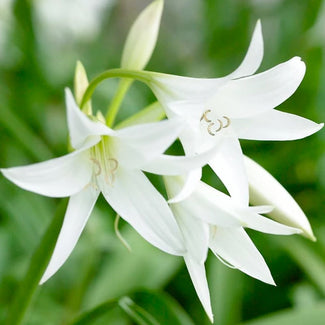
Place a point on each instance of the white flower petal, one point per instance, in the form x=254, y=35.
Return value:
x=177, y=165
x=79, y=208
x=234, y=246
x=142, y=37
x=188, y=110
x=80, y=126
x=261, y=209
x=205, y=203
x=136, y=200
x=139, y=144
x=170, y=88
x=195, y=232
x=256, y=94
x=257, y=222
x=58, y=177
x=199, y=279
x=253, y=57
x=229, y=166
x=265, y=189
x=275, y=125
x=191, y=181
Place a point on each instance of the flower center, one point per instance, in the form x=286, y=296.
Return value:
x=213, y=126
x=103, y=163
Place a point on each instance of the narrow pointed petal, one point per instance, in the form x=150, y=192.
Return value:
x=256, y=94
x=177, y=165
x=265, y=189
x=253, y=57
x=261, y=209
x=275, y=125
x=142, y=37
x=199, y=279
x=80, y=126
x=58, y=177
x=257, y=222
x=79, y=208
x=205, y=203
x=136, y=200
x=136, y=145
x=234, y=246
x=195, y=232
x=229, y=166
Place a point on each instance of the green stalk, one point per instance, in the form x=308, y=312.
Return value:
x=37, y=266
x=123, y=87
x=143, y=76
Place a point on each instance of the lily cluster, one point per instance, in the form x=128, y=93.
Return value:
x=208, y=116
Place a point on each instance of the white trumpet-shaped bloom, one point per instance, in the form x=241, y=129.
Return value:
x=211, y=219
x=219, y=112
x=110, y=162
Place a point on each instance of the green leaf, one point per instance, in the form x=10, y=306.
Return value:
x=138, y=314
x=314, y=315
x=226, y=289
x=305, y=256
x=165, y=309
x=38, y=264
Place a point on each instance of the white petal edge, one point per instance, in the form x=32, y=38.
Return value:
x=249, y=96
x=80, y=126
x=199, y=279
x=275, y=125
x=58, y=177
x=265, y=189
x=254, y=55
x=78, y=211
x=234, y=246
x=138, y=202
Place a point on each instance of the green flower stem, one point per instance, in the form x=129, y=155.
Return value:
x=123, y=87
x=37, y=266
x=143, y=76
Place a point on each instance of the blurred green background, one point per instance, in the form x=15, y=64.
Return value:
x=40, y=42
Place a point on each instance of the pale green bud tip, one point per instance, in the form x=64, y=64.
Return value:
x=80, y=85
x=142, y=37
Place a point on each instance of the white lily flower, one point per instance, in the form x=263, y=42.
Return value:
x=110, y=162
x=265, y=189
x=219, y=112
x=211, y=219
